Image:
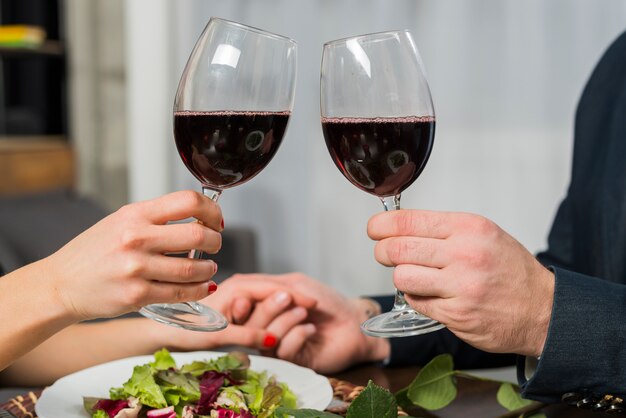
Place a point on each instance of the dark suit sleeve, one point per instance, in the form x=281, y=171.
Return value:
x=560, y=250
x=419, y=350
x=586, y=344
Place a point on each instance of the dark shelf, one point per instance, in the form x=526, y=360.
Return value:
x=48, y=48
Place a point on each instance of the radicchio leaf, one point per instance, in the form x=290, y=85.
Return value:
x=111, y=407
x=210, y=385
x=229, y=413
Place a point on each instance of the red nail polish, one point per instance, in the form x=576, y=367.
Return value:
x=212, y=287
x=269, y=341
x=222, y=223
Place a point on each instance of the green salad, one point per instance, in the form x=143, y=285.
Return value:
x=224, y=387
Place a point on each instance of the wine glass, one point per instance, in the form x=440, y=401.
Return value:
x=231, y=111
x=379, y=125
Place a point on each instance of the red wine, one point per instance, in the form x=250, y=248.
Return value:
x=227, y=148
x=381, y=156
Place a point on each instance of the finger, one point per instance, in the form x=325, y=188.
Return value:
x=241, y=310
x=183, y=237
x=178, y=269
x=286, y=321
x=412, y=250
x=422, y=281
x=292, y=345
x=300, y=299
x=182, y=205
x=267, y=310
x=247, y=336
x=419, y=223
x=259, y=287
x=160, y=292
x=426, y=306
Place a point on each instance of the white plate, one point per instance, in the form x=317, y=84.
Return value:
x=64, y=399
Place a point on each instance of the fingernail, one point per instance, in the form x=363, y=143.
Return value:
x=281, y=298
x=269, y=341
x=222, y=223
x=212, y=287
x=299, y=312
x=309, y=329
x=215, y=266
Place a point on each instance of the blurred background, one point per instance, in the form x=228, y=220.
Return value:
x=87, y=108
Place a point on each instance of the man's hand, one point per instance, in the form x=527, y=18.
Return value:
x=465, y=272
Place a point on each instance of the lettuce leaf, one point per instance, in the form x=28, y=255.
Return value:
x=178, y=387
x=143, y=386
x=163, y=360
x=228, y=362
x=100, y=414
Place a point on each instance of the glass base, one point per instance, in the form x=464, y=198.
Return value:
x=400, y=323
x=188, y=315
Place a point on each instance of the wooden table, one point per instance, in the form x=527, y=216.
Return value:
x=476, y=399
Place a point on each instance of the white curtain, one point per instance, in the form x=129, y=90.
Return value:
x=505, y=76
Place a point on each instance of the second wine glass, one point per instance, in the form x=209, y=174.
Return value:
x=231, y=111
x=379, y=124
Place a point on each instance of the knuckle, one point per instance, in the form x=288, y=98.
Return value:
x=197, y=234
x=187, y=269
x=482, y=226
x=132, y=239
x=395, y=250
x=403, y=222
x=191, y=199
x=127, y=210
x=133, y=266
x=136, y=294
x=180, y=294
x=401, y=250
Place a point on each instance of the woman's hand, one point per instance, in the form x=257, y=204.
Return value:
x=119, y=264
x=260, y=313
x=328, y=338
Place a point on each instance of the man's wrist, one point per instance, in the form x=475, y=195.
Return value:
x=370, y=307
x=542, y=313
x=374, y=349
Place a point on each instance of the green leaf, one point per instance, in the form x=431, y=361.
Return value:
x=177, y=386
x=434, y=386
x=373, y=402
x=289, y=398
x=163, y=360
x=304, y=413
x=231, y=362
x=509, y=397
x=142, y=385
x=100, y=414
x=117, y=394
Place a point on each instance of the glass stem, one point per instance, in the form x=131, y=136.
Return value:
x=197, y=254
x=393, y=203
x=214, y=195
